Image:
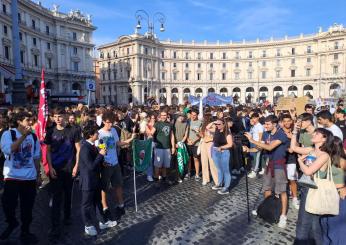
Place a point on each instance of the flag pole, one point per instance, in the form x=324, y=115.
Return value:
x=134, y=175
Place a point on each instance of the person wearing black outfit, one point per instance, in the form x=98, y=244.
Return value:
x=90, y=159
x=61, y=143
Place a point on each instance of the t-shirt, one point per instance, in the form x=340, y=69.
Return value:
x=179, y=130
x=162, y=135
x=280, y=152
x=20, y=164
x=62, y=143
x=110, y=139
x=256, y=130
x=305, y=139
x=194, y=127
x=336, y=131
x=342, y=125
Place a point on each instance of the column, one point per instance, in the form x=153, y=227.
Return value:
x=169, y=95
x=180, y=95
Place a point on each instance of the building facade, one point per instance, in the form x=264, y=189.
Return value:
x=59, y=42
x=137, y=66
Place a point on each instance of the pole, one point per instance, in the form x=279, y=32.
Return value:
x=89, y=94
x=247, y=190
x=134, y=177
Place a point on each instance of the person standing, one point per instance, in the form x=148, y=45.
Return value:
x=193, y=140
x=91, y=159
x=21, y=171
x=276, y=143
x=63, y=145
x=325, y=118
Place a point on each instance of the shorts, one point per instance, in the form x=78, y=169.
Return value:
x=278, y=182
x=292, y=173
x=162, y=158
x=192, y=150
x=111, y=176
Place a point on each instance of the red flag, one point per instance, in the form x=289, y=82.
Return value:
x=42, y=122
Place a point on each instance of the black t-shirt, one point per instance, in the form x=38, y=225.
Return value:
x=62, y=143
x=342, y=125
x=219, y=138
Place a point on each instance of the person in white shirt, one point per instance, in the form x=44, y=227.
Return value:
x=21, y=172
x=325, y=118
x=256, y=132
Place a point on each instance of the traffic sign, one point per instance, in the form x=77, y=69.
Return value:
x=90, y=85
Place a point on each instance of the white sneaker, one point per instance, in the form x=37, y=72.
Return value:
x=295, y=203
x=261, y=172
x=252, y=175
x=254, y=212
x=90, y=230
x=283, y=221
x=108, y=224
x=150, y=178
x=204, y=183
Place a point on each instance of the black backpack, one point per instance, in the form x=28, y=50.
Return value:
x=270, y=209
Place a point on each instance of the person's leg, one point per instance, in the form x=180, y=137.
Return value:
x=205, y=163
x=87, y=207
x=284, y=203
x=27, y=194
x=217, y=160
x=67, y=185
x=225, y=168
x=9, y=204
x=56, y=189
x=212, y=165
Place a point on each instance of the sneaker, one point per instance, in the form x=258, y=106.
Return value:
x=150, y=178
x=197, y=178
x=252, y=175
x=254, y=212
x=28, y=238
x=295, y=203
x=90, y=230
x=204, y=183
x=7, y=232
x=160, y=177
x=224, y=191
x=187, y=176
x=108, y=224
x=216, y=187
x=180, y=180
x=283, y=221
x=261, y=172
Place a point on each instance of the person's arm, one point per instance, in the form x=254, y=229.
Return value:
x=228, y=145
x=264, y=146
x=172, y=142
x=75, y=168
x=52, y=172
x=315, y=166
x=211, y=127
x=297, y=149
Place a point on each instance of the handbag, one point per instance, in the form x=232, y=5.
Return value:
x=199, y=147
x=325, y=199
x=270, y=209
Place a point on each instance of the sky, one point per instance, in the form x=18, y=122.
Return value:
x=210, y=20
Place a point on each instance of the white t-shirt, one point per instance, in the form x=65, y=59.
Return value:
x=256, y=130
x=336, y=131
x=110, y=139
x=20, y=164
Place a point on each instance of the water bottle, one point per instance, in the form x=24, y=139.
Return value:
x=309, y=159
x=306, y=180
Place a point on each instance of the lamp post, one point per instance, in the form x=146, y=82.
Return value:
x=142, y=15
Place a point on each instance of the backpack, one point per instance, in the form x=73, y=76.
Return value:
x=14, y=137
x=270, y=209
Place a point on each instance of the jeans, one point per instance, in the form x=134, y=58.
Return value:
x=221, y=160
x=25, y=190
x=308, y=230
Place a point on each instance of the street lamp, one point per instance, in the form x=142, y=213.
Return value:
x=143, y=15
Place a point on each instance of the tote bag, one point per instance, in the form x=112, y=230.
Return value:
x=325, y=199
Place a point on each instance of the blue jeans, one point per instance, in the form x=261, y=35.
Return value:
x=308, y=229
x=221, y=160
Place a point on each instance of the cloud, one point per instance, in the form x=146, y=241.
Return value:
x=264, y=20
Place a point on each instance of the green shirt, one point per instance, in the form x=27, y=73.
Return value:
x=305, y=139
x=163, y=135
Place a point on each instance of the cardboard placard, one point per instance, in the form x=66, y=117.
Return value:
x=288, y=104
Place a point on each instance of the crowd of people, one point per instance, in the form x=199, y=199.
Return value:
x=93, y=145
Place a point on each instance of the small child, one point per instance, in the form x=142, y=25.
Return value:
x=90, y=160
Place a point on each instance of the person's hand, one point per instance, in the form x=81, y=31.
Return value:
x=173, y=150
x=218, y=149
x=289, y=134
x=297, y=125
x=342, y=192
x=290, y=150
x=248, y=136
x=245, y=149
x=301, y=159
x=176, y=146
x=52, y=173
x=103, y=152
x=189, y=142
x=74, y=171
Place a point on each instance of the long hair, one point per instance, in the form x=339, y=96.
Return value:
x=327, y=146
x=206, y=121
x=338, y=152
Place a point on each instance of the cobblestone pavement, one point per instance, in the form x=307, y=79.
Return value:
x=185, y=213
